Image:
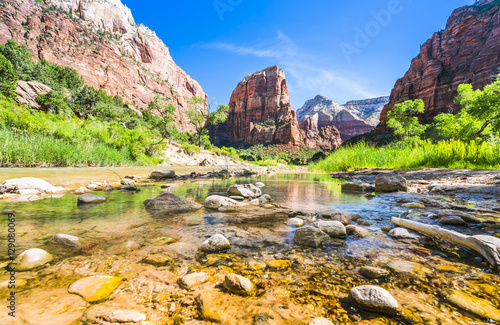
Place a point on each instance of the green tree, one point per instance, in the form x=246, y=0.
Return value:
x=201, y=118
x=20, y=57
x=8, y=78
x=54, y=101
x=159, y=116
x=401, y=118
x=84, y=101
x=482, y=105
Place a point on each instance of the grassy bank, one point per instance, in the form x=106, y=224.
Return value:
x=443, y=154
x=34, y=138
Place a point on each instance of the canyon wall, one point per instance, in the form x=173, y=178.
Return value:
x=466, y=51
x=100, y=39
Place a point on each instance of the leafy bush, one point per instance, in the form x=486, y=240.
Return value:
x=298, y=156
x=8, y=78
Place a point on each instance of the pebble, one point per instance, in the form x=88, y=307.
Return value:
x=374, y=298
x=371, y=272
x=66, y=240
x=278, y=264
x=190, y=281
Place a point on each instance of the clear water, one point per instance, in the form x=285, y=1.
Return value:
x=316, y=285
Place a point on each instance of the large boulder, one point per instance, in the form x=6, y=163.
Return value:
x=374, y=298
x=390, y=182
x=162, y=174
x=168, y=203
x=245, y=190
x=310, y=236
x=222, y=203
x=27, y=183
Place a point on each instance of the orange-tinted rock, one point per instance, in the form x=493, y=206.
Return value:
x=327, y=138
x=467, y=51
x=106, y=48
x=260, y=112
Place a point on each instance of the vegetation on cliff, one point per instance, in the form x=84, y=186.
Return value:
x=469, y=139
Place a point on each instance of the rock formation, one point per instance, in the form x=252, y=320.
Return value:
x=348, y=119
x=466, y=51
x=368, y=109
x=101, y=41
x=28, y=91
x=260, y=113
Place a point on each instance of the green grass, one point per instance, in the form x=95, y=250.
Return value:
x=443, y=154
x=36, y=150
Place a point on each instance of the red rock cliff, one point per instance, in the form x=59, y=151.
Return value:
x=467, y=51
x=107, y=48
x=260, y=112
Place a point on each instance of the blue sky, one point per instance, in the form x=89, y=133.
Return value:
x=343, y=50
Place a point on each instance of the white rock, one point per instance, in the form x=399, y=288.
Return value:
x=216, y=202
x=30, y=259
x=82, y=190
x=55, y=190
x=29, y=192
x=67, y=240
x=189, y=281
x=295, y=222
x=245, y=190
x=215, y=244
x=260, y=184
x=332, y=228
x=401, y=233
x=28, y=183
x=374, y=298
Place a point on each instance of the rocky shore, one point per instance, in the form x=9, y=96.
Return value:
x=240, y=257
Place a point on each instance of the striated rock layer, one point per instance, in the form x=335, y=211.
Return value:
x=100, y=40
x=466, y=51
x=348, y=119
x=260, y=113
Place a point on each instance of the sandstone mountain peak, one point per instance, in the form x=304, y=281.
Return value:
x=260, y=112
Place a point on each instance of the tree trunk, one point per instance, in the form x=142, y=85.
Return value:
x=486, y=246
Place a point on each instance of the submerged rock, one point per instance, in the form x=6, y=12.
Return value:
x=215, y=244
x=374, y=298
x=91, y=198
x=158, y=259
x=310, y=236
x=162, y=174
x=66, y=240
x=473, y=304
x=401, y=233
x=30, y=259
x=168, y=203
x=320, y=321
x=211, y=305
x=390, y=182
x=95, y=288
x=102, y=314
x=265, y=198
x=452, y=221
x=217, y=202
x=355, y=186
x=190, y=281
x=333, y=229
x=371, y=272
x=357, y=231
x=260, y=184
x=239, y=285
x=278, y=264
x=245, y=190
x=340, y=217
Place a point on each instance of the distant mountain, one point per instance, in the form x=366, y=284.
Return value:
x=353, y=118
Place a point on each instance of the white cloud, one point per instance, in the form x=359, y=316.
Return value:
x=306, y=77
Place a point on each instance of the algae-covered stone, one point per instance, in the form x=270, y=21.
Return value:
x=473, y=304
x=215, y=244
x=158, y=259
x=371, y=272
x=239, y=285
x=279, y=264
x=30, y=259
x=95, y=288
x=310, y=236
x=414, y=205
x=357, y=231
x=374, y=298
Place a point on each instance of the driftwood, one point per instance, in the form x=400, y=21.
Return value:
x=486, y=246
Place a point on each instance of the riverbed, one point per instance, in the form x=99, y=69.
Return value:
x=314, y=283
